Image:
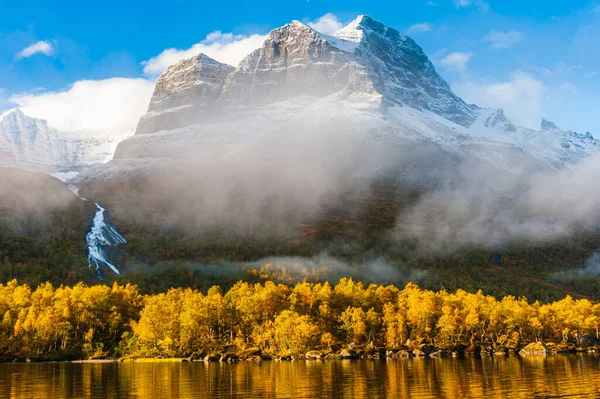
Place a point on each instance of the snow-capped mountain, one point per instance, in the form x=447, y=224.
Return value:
x=365, y=57
x=367, y=77
x=558, y=147
x=31, y=144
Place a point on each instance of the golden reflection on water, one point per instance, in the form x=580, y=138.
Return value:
x=555, y=376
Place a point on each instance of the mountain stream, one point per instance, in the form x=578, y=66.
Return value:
x=101, y=234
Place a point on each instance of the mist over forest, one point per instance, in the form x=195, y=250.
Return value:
x=317, y=156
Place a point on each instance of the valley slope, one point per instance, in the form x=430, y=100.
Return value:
x=42, y=229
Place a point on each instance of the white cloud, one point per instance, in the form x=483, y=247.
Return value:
x=569, y=88
x=223, y=47
x=457, y=61
x=520, y=96
x=4, y=106
x=562, y=68
x=228, y=47
x=545, y=72
x=420, y=28
x=503, y=39
x=112, y=104
x=482, y=5
x=43, y=47
x=328, y=24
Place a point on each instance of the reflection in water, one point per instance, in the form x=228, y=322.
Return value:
x=554, y=376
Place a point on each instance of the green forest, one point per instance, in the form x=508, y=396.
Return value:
x=42, y=238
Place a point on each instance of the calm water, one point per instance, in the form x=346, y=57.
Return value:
x=552, y=377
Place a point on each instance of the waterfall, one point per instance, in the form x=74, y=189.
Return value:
x=100, y=235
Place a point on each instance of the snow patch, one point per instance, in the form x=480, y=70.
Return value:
x=65, y=176
x=352, y=31
x=31, y=144
x=6, y=113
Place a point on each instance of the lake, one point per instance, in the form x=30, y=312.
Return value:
x=558, y=376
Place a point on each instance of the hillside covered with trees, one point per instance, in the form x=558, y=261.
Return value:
x=43, y=228
x=166, y=244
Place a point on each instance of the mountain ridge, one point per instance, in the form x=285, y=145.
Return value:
x=32, y=144
x=295, y=60
x=366, y=67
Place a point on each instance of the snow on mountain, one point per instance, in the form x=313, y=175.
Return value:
x=184, y=94
x=365, y=57
x=30, y=143
x=404, y=130
x=295, y=60
x=402, y=72
x=368, y=77
x=557, y=147
x=6, y=113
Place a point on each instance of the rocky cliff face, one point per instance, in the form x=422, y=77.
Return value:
x=184, y=94
x=497, y=120
x=402, y=72
x=366, y=58
x=547, y=125
x=367, y=75
x=295, y=60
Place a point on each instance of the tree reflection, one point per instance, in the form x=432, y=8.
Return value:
x=470, y=377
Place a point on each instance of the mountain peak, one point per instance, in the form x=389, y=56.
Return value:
x=547, y=125
x=298, y=24
x=365, y=59
x=15, y=111
x=353, y=32
x=16, y=116
x=366, y=22
x=294, y=28
x=402, y=72
x=205, y=58
x=189, y=87
x=356, y=30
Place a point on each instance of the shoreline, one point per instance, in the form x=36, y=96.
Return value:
x=321, y=356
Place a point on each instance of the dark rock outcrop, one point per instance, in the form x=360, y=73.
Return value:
x=547, y=125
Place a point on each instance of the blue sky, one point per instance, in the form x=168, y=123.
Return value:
x=59, y=61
